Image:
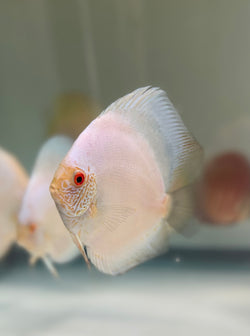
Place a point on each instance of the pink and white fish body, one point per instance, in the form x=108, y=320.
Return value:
x=117, y=188
x=13, y=181
x=41, y=230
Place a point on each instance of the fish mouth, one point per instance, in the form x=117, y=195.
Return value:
x=53, y=190
x=31, y=238
x=25, y=235
x=55, y=194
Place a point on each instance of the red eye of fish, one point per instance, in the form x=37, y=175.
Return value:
x=79, y=178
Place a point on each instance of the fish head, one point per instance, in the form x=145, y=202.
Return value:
x=73, y=190
x=28, y=236
x=33, y=233
x=32, y=238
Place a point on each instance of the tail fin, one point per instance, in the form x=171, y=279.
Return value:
x=183, y=208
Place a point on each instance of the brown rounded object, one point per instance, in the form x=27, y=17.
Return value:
x=223, y=193
x=71, y=113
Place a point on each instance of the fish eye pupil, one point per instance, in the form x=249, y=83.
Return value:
x=79, y=179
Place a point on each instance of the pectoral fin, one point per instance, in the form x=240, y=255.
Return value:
x=48, y=263
x=78, y=243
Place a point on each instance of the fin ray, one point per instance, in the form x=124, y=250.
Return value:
x=48, y=263
x=128, y=243
x=180, y=217
x=150, y=111
x=115, y=215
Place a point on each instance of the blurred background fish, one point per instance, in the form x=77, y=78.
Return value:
x=121, y=187
x=41, y=231
x=71, y=112
x=223, y=192
x=13, y=181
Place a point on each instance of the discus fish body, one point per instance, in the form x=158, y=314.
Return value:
x=13, y=181
x=117, y=188
x=41, y=230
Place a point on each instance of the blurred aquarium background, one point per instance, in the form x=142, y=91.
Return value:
x=59, y=55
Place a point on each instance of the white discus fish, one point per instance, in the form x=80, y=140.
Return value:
x=13, y=181
x=121, y=187
x=41, y=230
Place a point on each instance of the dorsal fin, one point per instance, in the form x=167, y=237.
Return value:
x=152, y=114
